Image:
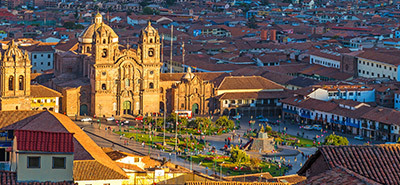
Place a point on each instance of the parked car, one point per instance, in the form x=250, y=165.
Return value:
x=86, y=119
x=139, y=118
x=237, y=116
x=263, y=120
x=358, y=137
x=317, y=127
x=110, y=119
x=308, y=127
x=125, y=122
x=260, y=117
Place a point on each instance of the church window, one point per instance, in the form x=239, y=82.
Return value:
x=11, y=83
x=161, y=90
x=104, y=53
x=88, y=49
x=21, y=82
x=151, y=85
x=104, y=41
x=151, y=52
x=103, y=86
x=182, y=105
x=104, y=73
x=127, y=83
x=151, y=40
x=151, y=72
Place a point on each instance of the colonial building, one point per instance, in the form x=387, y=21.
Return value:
x=122, y=80
x=104, y=78
x=15, y=84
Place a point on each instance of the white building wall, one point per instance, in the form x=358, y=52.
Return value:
x=374, y=69
x=324, y=61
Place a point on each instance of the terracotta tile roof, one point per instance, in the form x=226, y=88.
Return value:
x=85, y=149
x=95, y=170
x=39, y=91
x=383, y=115
x=8, y=178
x=178, y=76
x=338, y=175
x=380, y=163
x=385, y=57
x=28, y=140
x=255, y=95
x=325, y=72
x=67, y=46
x=250, y=177
x=129, y=167
x=247, y=82
x=10, y=117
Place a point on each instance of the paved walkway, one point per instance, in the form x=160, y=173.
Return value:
x=109, y=139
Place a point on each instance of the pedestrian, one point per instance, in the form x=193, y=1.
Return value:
x=225, y=140
x=143, y=144
x=120, y=137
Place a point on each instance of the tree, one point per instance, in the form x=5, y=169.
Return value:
x=225, y=122
x=69, y=25
x=170, y=2
x=336, y=140
x=238, y=156
x=147, y=11
x=251, y=23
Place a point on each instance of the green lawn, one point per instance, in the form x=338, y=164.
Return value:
x=141, y=136
x=214, y=165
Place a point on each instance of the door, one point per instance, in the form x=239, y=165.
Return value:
x=195, y=108
x=126, y=107
x=84, y=110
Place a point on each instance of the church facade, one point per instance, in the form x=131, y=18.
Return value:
x=122, y=81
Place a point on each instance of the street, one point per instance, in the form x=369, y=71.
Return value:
x=106, y=138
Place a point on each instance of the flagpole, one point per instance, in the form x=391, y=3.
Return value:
x=172, y=40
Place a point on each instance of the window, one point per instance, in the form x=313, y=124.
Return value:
x=34, y=56
x=41, y=63
x=104, y=53
x=58, y=162
x=33, y=162
x=48, y=56
x=127, y=83
x=104, y=73
x=103, y=86
x=151, y=52
x=136, y=160
x=21, y=82
x=41, y=55
x=182, y=105
x=151, y=85
x=48, y=63
x=34, y=64
x=151, y=72
x=11, y=83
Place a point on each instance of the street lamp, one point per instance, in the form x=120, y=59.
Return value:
x=220, y=170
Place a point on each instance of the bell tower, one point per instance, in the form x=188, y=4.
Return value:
x=149, y=54
x=15, y=75
x=103, y=73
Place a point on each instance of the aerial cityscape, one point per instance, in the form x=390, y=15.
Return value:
x=208, y=92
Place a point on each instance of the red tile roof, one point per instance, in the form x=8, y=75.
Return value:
x=8, y=178
x=380, y=163
x=29, y=140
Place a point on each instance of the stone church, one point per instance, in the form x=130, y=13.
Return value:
x=105, y=78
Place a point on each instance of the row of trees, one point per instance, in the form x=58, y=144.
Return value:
x=198, y=123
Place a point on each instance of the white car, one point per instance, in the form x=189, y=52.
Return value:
x=86, y=119
x=308, y=127
x=126, y=122
x=110, y=119
x=317, y=127
x=358, y=137
x=237, y=116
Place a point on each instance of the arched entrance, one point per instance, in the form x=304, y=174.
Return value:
x=83, y=110
x=195, y=108
x=126, y=107
x=161, y=107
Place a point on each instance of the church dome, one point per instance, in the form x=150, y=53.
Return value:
x=87, y=35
